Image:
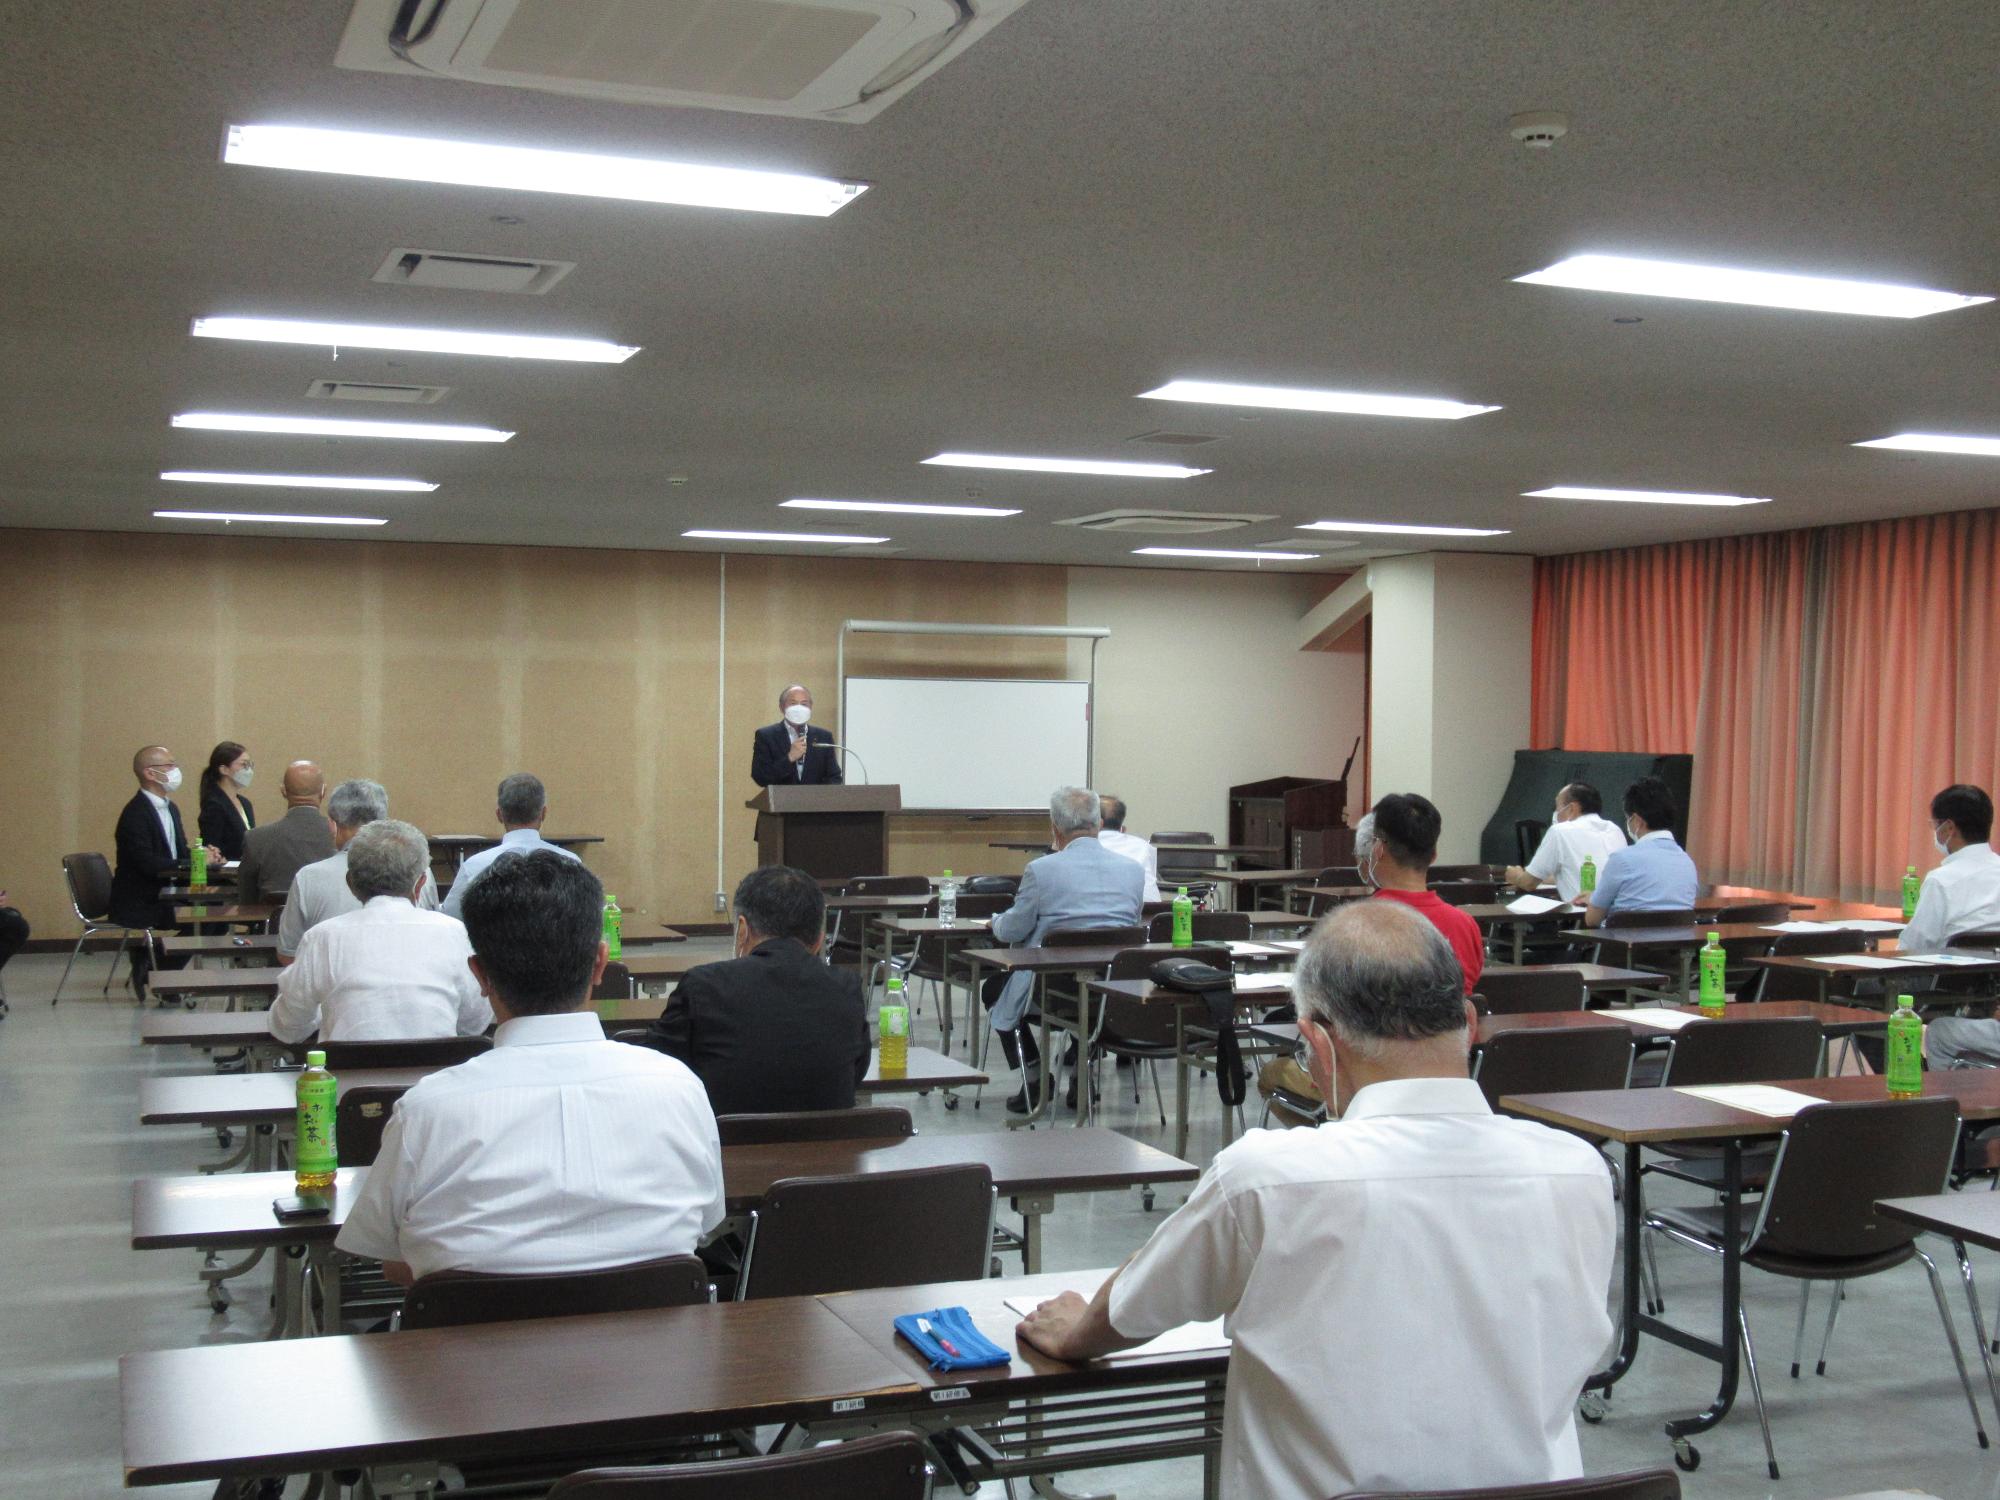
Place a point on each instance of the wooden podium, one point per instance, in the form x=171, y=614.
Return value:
x=830, y=832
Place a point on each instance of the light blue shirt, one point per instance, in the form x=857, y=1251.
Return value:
x=1655, y=874
x=513, y=841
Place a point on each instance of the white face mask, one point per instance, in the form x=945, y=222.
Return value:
x=243, y=777
x=172, y=783
x=1631, y=832
x=799, y=715
x=1937, y=840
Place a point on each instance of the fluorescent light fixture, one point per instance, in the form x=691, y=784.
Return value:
x=584, y=174
x=1293, y=398
x=1937, y=442
x=226, y=516
x=1642, y=497
x=898, y=508
x=806, y=538
x=412, y=340
x=1669, y=278
x=1387, y=528
x=435, y=432
x=1063, y=465
x=297, y=481
x=1223, y=552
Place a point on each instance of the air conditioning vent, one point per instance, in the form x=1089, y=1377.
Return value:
x=822, y=59
x=1163, y=523
x=369, y=390
x=471, y=273
x=1174, y=439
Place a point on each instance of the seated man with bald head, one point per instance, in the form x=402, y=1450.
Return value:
x=274, y=852
x=1416, y=1289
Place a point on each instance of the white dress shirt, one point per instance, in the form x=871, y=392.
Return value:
x=513, y=841
x=1118, y=841
x=1415, y=1294
x=1961, y=895
x=319, y=891
x=797, y=733
x=1560, y=857
x=166, y=820
x=557, y=1151
x=385, y=972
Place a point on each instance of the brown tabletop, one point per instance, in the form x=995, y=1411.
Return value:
x=1060, y=960
x=910, y=902
x=967, y=927
x=1834, y=1020
x=198, y=913
x=536, y=1389
x=1595, y=976
x=1279, y=919
x=196, y=984
x=247, y=1098
x=1835, y=966
x=258, y=945
x=214, y=891
x=1697, y=935
x=1270, y=850
x=1970, y=1218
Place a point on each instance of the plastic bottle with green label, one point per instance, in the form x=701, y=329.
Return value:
x=892, y=1023
x=614, y=928
x=1913, y=886
x=1183, y=919
x=198, y=863
x=314, y=1157
x=1713, y=964
x=1587, y=881
x=1904, y=1064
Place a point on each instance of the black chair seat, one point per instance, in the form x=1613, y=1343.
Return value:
x=1705, y=1223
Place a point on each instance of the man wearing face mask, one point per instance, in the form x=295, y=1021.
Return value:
x=772, y=1029
x=1395, y=846
x=1578, y=829
x=1655, y=874
x=791, y=752
x=151, y=844
x=1961, y=895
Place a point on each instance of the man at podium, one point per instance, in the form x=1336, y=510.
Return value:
x=792, y=752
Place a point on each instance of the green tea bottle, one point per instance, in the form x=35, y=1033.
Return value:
x=1913, y=886
x=1713, y=964
x=1183, y=919
x=314, y=1157
x=614, y=928
x=1905, y=1063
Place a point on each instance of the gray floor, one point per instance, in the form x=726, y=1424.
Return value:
x=1888, y=1415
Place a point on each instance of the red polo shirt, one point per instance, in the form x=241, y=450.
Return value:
x=1459, y=930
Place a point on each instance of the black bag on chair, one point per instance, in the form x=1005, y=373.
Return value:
x=1217, y=989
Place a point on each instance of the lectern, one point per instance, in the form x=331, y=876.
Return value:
x=830, y=832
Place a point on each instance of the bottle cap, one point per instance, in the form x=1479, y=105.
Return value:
x=895, y=981
x=1183, y=890
x=315, y=1059
x=1903, y=1000
x=947, y=874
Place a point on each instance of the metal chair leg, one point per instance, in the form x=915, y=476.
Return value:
x=1656, y=1300
x=72, y=964
x=1799, y=1335
x=1756, y=1387
x=1153, y=1067
x=1951, y=1337
x=1978, y=1324
x=1833, y=1312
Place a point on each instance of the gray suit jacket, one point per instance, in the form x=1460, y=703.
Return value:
x=1086, y=885
x=274, y=852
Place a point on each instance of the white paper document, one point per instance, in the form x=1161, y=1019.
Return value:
x=1532, y=906
x=1189, y=1338
x=1757, y=1098
x=1868, y=924
x=1290, y=945
x=1869, y=961
x=1656, y=1015
x=1955, y=959
x=1243, y=948
x=1802, y=927
x=1258, y=984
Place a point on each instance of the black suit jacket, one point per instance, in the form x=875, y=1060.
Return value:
x=769, y=765
x=219, y=824
x=144, y=863
x=776, y=1030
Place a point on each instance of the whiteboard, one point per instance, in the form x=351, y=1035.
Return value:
x=985, y=744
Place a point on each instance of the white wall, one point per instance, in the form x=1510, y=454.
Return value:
x=1451, y=668
x=1202, y=686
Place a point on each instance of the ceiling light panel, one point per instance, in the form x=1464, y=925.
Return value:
x=899, y=508
x=411, y=340
x=1387, y=528
x=298, y=481
x=1292, y=398
x=1064, y=465
x=1699, y=283
x=1221, y=552
x=1937, y=442
x=415, y=158
x=803, y=538
x=434, y=432
x=227, y=516
x=1642, y=497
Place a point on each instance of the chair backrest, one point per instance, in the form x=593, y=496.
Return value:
x=615, y=983
x=1510, y=992
x=1751, y=1050
x=358, y=1122
x=881, y=1466
x=1983, y=937
x=1836, y=1160
x=88, y=877
x=1780, y=984
x=410, y=1052
x=989, y=885
x=1137, y=963
x=1639, y=1484
x=1756, y=911
x=1466, y=892
x=888, y=885
x=1337, y=875
x=1093, y=937
x=1626, y=917
x=1132, y=1023
x=984, y=904
x=445, y=1299
x=1459, y=872
x=866, y=1123
x=1527, y=838
x=1208, y=927
x=816, y=1235
x=1180, y=859
x=1553, y=1062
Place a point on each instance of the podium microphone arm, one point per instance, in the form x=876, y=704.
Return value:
x=844, y=750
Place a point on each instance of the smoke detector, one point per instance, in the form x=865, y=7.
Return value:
x=1538, y=129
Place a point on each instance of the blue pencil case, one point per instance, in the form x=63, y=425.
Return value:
x=948, y=1339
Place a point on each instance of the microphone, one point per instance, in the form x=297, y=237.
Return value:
x=844, y=750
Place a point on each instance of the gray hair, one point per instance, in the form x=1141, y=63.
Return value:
x=1376, y=972
x=797, y=687
x=386, y=858
x=1075, y=809
x=357, y=803
x=1364, y=839
x=522, y=799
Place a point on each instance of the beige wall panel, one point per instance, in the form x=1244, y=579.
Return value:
x=281, y=696
x=440, y=754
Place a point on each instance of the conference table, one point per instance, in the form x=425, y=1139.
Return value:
x=1627, y=944
x=634, y=1383
x=1246, y=888
x=455, y=848
x=1636, y=1118
x=1963, y=1218
x=260, y=982
x=948, y=937
x=228, y=912
x=1847, y=970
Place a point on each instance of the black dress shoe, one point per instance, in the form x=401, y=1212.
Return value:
x=1022, y=1103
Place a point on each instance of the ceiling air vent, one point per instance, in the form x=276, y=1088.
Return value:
x=819, y=59
x=1163, y=522
x=1174, y=439
x=371, y=390
x=472, y=273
